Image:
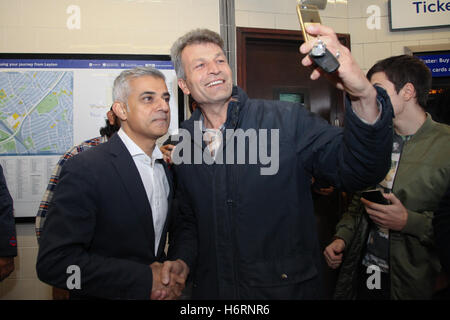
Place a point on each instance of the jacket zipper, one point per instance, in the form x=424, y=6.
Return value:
x=392, y=191
x=232, y=210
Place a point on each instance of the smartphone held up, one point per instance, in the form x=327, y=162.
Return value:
x=308, y=14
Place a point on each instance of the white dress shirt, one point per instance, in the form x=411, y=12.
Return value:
x=155, y=182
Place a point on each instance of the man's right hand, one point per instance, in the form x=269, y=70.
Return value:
x=168, y=279
x=167, y=152
x=60, y=294
x=348, y=77
x=334, y=253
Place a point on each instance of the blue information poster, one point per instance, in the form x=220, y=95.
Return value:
x=439, y=64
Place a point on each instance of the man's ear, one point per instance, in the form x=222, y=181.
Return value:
x=183, y=86
x=120, y=110
x=112, y=118
x=408, y=91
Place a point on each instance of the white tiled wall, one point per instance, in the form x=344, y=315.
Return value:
x=150, y=26
x=345, y=16
x=23, y=282
x=107, y=26
x=281, y=14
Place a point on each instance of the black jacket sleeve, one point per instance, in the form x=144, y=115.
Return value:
x=355, y=158
x=183, y=237
x=8, y=240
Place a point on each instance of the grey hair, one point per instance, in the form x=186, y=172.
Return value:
x=193, y=37
x=121, y=86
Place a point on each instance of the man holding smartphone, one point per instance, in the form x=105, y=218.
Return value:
x=388, y=249
x=246, y=233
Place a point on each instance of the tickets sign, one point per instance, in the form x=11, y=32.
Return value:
x=412, y=14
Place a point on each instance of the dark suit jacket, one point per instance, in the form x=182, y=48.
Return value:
x=101, y=221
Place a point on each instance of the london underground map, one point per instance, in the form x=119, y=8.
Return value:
x=36, y=112
x=50, y=102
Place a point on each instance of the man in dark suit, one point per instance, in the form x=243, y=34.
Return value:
x=107, y=225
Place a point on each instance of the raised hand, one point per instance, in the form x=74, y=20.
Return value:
x=348, y=77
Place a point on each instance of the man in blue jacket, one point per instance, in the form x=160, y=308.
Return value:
x=246, y=224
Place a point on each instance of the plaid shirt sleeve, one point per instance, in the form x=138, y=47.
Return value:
x=49, y=192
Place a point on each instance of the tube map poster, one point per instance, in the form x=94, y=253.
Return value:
x=36, y=112
x=50, y=104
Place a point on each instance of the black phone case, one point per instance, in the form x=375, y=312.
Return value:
x=374, y=196
x=327, y=62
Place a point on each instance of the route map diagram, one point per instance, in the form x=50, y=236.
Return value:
x=51, y=102
x=36, y=112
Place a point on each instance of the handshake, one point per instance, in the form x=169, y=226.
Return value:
x=169, y=279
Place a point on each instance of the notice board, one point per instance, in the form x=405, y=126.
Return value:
x=50, y=102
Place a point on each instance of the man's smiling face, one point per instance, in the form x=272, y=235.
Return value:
x=208, y=75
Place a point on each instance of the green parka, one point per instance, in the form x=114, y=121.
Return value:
x=422, y=178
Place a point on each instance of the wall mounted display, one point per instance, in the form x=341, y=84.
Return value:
x=50, y=102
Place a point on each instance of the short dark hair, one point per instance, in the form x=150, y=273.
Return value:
x=108, y=130
x=403, y=69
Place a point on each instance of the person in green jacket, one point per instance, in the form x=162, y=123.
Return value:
x=388, y=251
